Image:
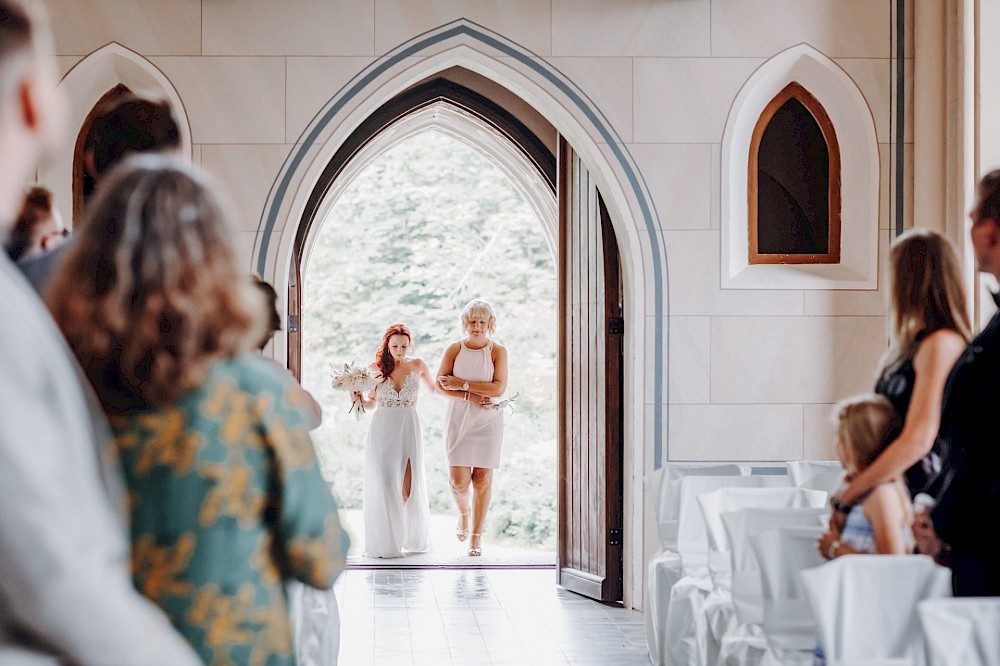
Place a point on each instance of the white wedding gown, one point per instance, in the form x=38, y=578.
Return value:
x=392, y=525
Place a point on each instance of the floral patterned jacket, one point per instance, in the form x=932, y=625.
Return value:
x=226, y=503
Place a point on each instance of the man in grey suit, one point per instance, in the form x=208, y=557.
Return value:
x=65, y=591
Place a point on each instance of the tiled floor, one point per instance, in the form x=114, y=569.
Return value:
x=473, y=616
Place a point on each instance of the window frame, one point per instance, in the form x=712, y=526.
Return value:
x=798, y=92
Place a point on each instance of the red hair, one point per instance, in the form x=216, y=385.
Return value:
x=383, y=357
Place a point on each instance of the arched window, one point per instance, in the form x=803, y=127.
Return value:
x=83, y=182
x=794, y=183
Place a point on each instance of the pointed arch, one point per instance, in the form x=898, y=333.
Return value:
x=87, y=83
x=449, y=118
x=468, y=45
x=851, y=118
x=794, y=174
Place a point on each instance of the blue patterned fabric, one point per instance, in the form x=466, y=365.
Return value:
x=226, y=503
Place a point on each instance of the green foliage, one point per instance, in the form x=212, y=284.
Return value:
x=429, y=225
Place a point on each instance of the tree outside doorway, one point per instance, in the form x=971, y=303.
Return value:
x=425, y=227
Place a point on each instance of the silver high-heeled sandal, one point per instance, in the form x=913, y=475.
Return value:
x=462, y=532
x=476, y=551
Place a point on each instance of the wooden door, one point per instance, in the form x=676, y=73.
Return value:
x=590, y=376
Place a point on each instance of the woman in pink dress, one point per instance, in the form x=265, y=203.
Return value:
x=473, y=375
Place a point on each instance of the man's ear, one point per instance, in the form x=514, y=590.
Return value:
x=993, y=237
x=43, y=109
x=29, y=101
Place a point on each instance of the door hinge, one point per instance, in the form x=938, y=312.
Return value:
x=293, y=324
x=616, y=325
x=615, y=536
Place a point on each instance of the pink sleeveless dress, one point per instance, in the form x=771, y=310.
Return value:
x=474, y=434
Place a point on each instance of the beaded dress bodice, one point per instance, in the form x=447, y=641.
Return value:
x=406, y=398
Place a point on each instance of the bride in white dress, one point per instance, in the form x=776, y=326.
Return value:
x=396, y=511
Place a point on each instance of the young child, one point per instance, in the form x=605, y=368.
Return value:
x=880, y=521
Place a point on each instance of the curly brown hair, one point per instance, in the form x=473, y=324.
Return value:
x=149, y=294
x=383, y=357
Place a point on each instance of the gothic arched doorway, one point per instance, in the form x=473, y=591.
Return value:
x=589, y=375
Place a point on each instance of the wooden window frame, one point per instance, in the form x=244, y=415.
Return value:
x=795, y=90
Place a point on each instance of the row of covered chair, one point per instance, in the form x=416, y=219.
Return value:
x=738, y=578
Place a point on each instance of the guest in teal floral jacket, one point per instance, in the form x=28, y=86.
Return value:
x=225, y=496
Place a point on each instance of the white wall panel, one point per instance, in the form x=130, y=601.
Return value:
x=630, y=28
x=231, y=100
x=304, y=27
x=838, y=28
x=794, y=359
x=151, y=27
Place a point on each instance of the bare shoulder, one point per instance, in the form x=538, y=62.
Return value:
x=499, y=350
x=453, y=348
x=944, y=345
x=884, y=501
x=418, y=364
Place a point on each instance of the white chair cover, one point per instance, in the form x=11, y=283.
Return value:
x=665, y=567
x=788, y=622
x=743, y=525
x=800, y=471
x=743, y=645
x=961, y=632
x=715, y=503
x=865, y=606
x=828, y=482
x=720, y=611
x=664, y=486
x=682, y=631
x=315, y=621
x=692, y=530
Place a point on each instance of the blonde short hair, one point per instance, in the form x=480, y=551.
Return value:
x=479, y=308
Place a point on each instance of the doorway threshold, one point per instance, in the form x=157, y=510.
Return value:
x=446, y=552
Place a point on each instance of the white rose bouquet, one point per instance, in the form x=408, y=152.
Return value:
x=352, y=378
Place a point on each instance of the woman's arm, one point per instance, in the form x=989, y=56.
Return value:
x=314, y=410
x=931, y=364
x=369, y=401
x=491, y=389
x=309, y=544
x=445, y=380
x=884, y=510
x=830, y=546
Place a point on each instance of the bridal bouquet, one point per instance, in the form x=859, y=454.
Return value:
x=506, y=405
x=352, y=378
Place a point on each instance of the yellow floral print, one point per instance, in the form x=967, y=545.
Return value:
x=317, y=561
x=233, y=494
x=275, y=637
x=223, y=617
x=159, y=567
